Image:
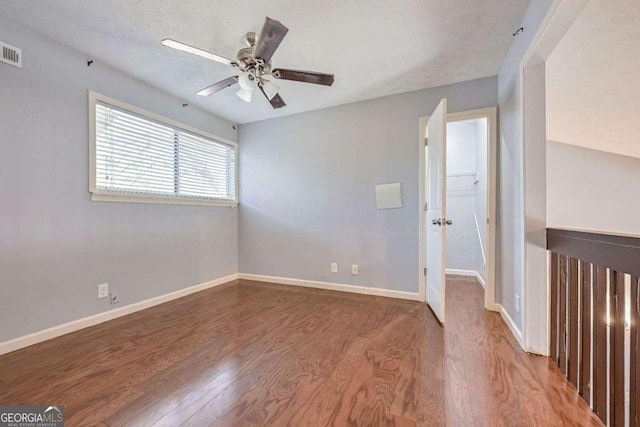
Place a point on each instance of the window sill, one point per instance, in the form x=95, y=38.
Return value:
x=121, y=198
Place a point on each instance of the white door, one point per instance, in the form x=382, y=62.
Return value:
x=437, y=208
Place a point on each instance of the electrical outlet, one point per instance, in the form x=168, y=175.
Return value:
x=518, y=303
x=115, y=299
x=103, y=290
x=354, y=269
x=334, y=267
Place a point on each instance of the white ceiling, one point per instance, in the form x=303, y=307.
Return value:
x=593, y=80
x=374, y=47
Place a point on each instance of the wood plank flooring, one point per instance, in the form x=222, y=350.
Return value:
x=254, y=354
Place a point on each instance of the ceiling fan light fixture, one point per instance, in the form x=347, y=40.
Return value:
x=247, y=81
x=244, y=94
x=254, y=62
x=270, y=89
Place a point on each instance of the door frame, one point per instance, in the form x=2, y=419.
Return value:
x=535, y=276
x=491, y=114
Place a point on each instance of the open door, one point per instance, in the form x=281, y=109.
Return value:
x=437, y=208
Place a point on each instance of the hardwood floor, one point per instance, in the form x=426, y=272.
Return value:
x=251, y=353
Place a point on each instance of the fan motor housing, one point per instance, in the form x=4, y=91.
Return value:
x=246, y=61
x=245, y=57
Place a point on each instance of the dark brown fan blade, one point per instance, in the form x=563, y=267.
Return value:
x=303, y=76
x=269, y=39
x=216, y=87
x=276, y=102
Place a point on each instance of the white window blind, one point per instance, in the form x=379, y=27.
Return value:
x=140, y=156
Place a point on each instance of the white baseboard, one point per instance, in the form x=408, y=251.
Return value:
x=470, y=273
x=65, y=328
x=413, y=296
x=459, y=272
x=512, y=326
x=480, y=279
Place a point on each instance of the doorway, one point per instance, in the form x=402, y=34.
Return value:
x=467, y=198
x=470, y=186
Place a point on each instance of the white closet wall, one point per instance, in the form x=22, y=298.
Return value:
x=466, y=195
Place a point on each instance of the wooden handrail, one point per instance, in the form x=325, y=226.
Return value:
x=618, y=252
x=593, y=287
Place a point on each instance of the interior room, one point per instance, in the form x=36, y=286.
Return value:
x=252, y=213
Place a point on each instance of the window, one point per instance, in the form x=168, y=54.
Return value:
x=138, y=156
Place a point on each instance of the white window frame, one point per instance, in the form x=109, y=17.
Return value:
x=98, y=195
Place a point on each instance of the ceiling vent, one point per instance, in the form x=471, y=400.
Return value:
x=11, y=55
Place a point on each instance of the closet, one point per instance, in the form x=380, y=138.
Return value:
x=467, y=197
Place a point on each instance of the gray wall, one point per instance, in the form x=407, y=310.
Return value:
x=307, y=188
x=584, y=184
x=56, y=245
x=510, y=209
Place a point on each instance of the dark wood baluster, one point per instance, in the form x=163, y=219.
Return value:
x=600, y=344
x=585, y=331
x=562, y=320
x=634, y=374
x=554, y=289
x=573, y=341
x=618, y=318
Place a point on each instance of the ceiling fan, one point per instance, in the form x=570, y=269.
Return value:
x=254, y=63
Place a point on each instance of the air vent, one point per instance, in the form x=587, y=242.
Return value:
x=11, y=55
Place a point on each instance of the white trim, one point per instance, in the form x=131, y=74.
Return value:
x=492, y=203
x=422, y=216
x=413, y=296
x=100, y=196
x=511, y=324
x=535, y=295
x=481, y=280
x=491, y=114
x=65, y=328
x=560, y=17
x=458, y=272
x=126, y=198
x=469, y=273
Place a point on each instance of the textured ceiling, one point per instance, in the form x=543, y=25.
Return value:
x=593, y=80
x=374, y=47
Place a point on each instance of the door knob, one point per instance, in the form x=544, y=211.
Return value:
x=448, y=222
x=437, y=221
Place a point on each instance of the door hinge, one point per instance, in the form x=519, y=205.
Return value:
x=425, y=271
